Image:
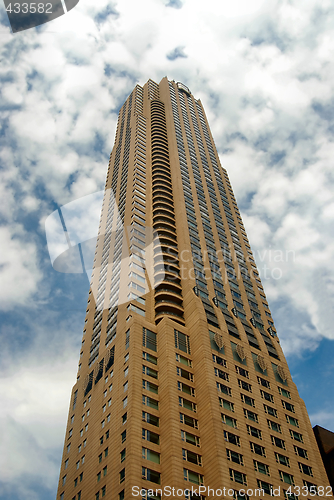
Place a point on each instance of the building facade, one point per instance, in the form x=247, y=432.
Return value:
x=182, y=382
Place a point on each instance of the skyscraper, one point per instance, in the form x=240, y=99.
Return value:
x=182, y=382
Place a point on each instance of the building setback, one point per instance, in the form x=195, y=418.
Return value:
x=182, y=382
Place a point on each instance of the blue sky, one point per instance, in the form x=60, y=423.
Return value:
x=264, y=73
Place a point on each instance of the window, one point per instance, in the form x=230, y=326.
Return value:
x=189, y=456
x=224, y=389
x=83, y=459
x=268, y=397
x=125, y=387
x=244, y=385
x=226, y=404
x=183, y=360
x=100, y=458
x=150, y=436
x=148, y=386
x=70, y=433
x=305, y=469
x=149, y=357
x=185, y=419
x=263, y=382
x=106, y=452
x=190, y=438
x=66, y=464
x=151, y=475
x=68, y=448
x=98, y=477
x=153, y=456
x=286, y=478
x=288, y=406
x=126, y=371
x=278, y=442
x=247, y=400
x=270, y=410
x=186, y=388
x=234, y=456
x=149, y=371
x=231, y=438
x=123, y=454
x=296, y=436
x=182, y=341
x=311, y=488
x=184, y=374
x=238, y=477
x=192, y=477
x=261, y=467
x=125, y=402
x=284, y=392
x=123, y=436
x=219, y=360
x=251, y=415
x=282, y=459
x=124, y=417
x=274, y=426
x=189, y=405
x=289, y=496
x=103, y=491
x=253, y=431
x=292, y=420
x=266, y=487
x=221, y=374
x=300, y=452
x=149, y=339
x=81, y=477
x=241, y=371
x=150, y=419
x=229, y=420
x=64, y=480
x=86, y=427
x=152, y=403
x=121, y=495
x=122, y=475
x=77, y=464
x=258, y=449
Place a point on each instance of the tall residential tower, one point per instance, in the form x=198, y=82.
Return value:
x=182, y=382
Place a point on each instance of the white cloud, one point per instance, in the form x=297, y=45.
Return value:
x=18, y=266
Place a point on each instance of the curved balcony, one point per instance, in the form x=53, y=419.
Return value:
x=163, y=250
x=168, y=268
x=165, y=258
x=161, y=279
x=161, y=187
x=162, y=203
x=161, y=170
x=166, y=293
x=166, y=234
x=174, y=316
x=164, y=227
x=160, y=208
x=174, y=306
x=157, y=179
x=157, y=219
x=159, y=192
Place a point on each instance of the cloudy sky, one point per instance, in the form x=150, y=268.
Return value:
x=264, y=72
